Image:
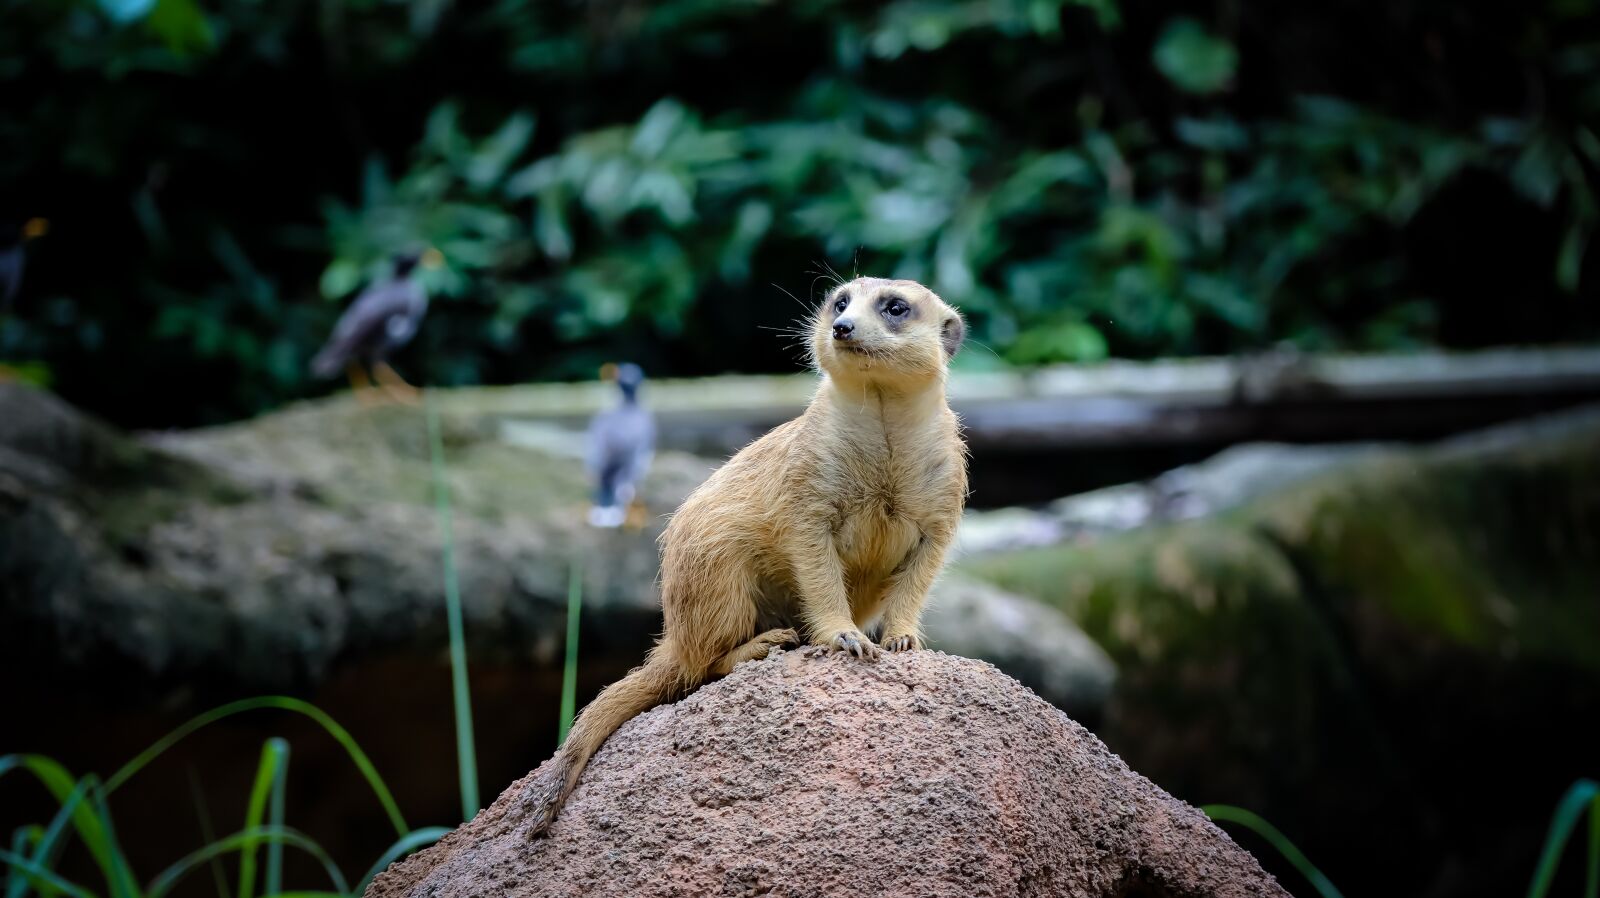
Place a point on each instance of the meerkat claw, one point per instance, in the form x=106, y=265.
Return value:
x=904, y=643
x=856, y=644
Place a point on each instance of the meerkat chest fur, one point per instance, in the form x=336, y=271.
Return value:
x=882, y=468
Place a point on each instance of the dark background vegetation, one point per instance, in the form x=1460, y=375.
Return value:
x=1107, y=177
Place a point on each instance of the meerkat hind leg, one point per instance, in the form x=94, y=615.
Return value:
x=755, y=650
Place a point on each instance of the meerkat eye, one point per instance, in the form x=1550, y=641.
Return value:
x=896, y=307
x=840, y=306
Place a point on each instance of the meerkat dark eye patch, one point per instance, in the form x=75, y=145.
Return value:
x=894, y=307
x=953, y=333
x=839, y=303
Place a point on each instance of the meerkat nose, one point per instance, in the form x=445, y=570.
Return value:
x=843, y=329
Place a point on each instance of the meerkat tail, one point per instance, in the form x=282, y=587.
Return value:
x=660, y=679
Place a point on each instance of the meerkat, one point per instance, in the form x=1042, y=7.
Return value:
x=830, y=523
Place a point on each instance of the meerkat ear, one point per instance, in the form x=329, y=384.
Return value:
x=953, y=334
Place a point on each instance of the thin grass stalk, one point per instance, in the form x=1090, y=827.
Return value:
x=274, y=757
x=42, y=878
x=208, y=832
x=275, y=814
x=48, y=843
x=283, y=703
x=61, y=785
x=1583, y=795
x=1251, y=821
x=569, y=673
x=22, y=838
x=1591, y=876
x=170, y=877
x=123, y=883
x=404, y=846
x=466, y=753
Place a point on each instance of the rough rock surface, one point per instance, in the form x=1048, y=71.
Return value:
x=812, y=774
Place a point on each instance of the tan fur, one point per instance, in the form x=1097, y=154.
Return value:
x=831, y=522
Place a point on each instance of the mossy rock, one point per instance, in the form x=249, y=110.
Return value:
x=1368, y=651
x=258, y=556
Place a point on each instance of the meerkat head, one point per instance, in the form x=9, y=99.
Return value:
x=894, y=333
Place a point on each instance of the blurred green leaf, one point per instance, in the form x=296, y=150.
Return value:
x=182, y=26
x=1194, y=60
x=1071, y=341
x=340, y=278
x=125, y=11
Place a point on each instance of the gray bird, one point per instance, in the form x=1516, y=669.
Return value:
x=381, y=320
x=622, y=441
x=13, y=256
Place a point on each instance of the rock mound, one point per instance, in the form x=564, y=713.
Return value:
x=810, y=774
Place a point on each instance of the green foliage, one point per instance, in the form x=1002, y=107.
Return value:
x=84, y=811
x=1082, y=181
x=1122, y=241
x=1227, y=813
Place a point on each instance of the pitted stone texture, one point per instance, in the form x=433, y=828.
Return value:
x=809, y=774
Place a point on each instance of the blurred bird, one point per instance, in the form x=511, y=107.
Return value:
x=622, y=441
x=381, y=320
x=13, y=257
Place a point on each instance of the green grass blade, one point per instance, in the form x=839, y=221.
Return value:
x=1591, y=875
x=22, y=839
x=282, y=703
x=274, y=756
x=275, y=814
x=569, y=673
x=407, y=844
x=47, y=842
x=466, y=752
x=1253, y=822
x=40, y=877
x=123, y=884
x=1584, y=795
x=174, y=874
x=208, y=832
x=61, y=784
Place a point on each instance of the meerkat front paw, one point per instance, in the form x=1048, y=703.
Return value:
x=903, y=642
x=853, y=641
